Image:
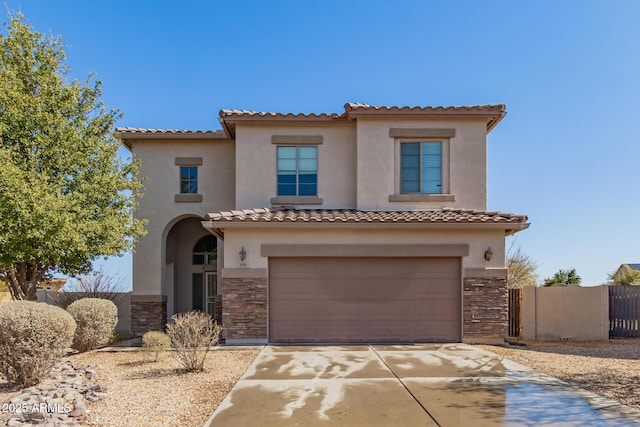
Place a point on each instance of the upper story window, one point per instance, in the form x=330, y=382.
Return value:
x=421, y=167
x=189, y=179
x=205, y=252
x=298, y=170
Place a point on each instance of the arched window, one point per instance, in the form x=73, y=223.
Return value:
x=205, y=252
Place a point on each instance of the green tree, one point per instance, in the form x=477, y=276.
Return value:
x=625, y=277
x=521, y=268
x=564, y=277
x=66, y=197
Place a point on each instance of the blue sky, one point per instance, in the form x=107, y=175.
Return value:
x=569, y=72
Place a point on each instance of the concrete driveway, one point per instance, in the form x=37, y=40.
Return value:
x=416, y=385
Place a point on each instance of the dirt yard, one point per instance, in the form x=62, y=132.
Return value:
x=610, y=368
x=146, y=393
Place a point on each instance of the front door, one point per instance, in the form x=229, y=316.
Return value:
x=211, y=290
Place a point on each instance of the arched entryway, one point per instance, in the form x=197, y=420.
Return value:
x=191, y=269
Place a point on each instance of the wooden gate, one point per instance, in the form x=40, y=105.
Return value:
x=515, y=321
x=624, y=311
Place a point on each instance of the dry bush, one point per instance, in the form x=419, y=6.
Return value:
x=33, y=337
x=156, y=342
x=192, y=335
x=97, y=284
x=96, y=319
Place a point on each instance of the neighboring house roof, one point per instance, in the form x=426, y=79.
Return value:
x=52, y=284
x=464, y=218
x=628, y=267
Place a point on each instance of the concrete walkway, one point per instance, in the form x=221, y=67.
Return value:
x=418, y=385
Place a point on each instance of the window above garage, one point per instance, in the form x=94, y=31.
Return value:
x=422, y=165
x=297, y=169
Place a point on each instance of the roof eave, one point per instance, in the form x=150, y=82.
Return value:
x=127, y=137
x=494, y=121
x=510, y=228
x=492, y=117
x=229, y=122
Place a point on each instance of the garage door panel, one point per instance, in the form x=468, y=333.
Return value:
x=344, y=308
x=293, y=288
x=364, y=268
x=364, y=299
x=387, y=310
x=422, y=292
x=341, y=332
x=296, y=333
x=297, y=308
x=389, y=331
x=433, y=311
x=358, y=289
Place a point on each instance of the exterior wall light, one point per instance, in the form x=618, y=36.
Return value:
x=488, y=254
x=243, y=254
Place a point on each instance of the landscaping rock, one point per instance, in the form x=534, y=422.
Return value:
x=60, y=400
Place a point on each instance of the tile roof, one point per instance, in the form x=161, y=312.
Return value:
x=446, y=215
x=127, y=134
x=266, y=114
x=354, y=106
x=228, y=117
x=493, y=113
x=167, y=131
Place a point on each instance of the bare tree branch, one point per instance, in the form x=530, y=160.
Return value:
x=97, y=284
x=521, y=268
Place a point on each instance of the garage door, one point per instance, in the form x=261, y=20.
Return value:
x=364, y=300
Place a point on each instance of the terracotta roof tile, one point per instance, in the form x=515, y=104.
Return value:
x=445, y=215
x=354, y=106
x=266, y=114
x=166, y=131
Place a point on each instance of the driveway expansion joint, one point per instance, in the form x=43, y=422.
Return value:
x=405, y=386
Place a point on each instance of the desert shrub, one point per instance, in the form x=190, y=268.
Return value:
x=96, y=318
x=33, y=336
x=96, y=284
x=192, y=334
x=155, y=342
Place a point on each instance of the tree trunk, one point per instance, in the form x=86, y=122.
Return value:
x=22, y=280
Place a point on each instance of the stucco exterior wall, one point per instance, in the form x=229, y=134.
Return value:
x=256, y=179
x=215, y=184
x=253, y=239
x=565, y=313
x=378, y=157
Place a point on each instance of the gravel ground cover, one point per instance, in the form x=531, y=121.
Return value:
x=140, y=392
x=146, y=393
x=608, y=368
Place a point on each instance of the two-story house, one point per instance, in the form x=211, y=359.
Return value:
x=364, y=226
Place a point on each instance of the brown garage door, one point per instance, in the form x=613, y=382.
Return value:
x=364, y=300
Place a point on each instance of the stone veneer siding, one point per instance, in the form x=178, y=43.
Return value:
x=244, y=308
x=218, y=310
x=148, y=316
x=486, y=307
